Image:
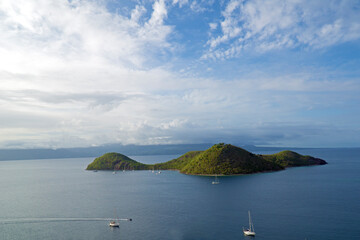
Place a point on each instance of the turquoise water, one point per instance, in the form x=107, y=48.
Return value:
x=58, y=199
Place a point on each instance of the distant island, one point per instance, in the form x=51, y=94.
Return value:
x=220, y=159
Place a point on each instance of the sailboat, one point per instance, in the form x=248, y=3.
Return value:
x=114, y=222
x=250, y=231
x=216, y=181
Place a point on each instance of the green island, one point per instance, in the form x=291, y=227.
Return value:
x=220, y=159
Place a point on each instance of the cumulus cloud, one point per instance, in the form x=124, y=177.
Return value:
x=64, y=31
x=77, y=43
x=65, y=62
x=264, y=26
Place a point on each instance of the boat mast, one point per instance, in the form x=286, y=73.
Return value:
x=249, y=221
x=250, y=231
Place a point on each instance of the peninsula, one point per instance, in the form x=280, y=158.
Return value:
x=220, y=159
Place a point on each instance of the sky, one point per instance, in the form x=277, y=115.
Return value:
x=76, y=73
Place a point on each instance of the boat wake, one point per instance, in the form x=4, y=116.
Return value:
x=37, y=220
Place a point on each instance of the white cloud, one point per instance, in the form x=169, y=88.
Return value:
x=70, y=47
x=67, y=63
x=180, y=2
x=213, y=26
x=187, y=113
x=75, y=74
x=267, y=25
x=159, y=13
x=137, y=13
x=81, y=30
x=197, y=6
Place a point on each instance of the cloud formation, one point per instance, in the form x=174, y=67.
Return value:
x=76, y=73
x=270, y=25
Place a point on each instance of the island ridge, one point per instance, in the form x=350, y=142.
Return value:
x=220, y=159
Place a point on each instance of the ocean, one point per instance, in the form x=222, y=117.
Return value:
x=59, y=199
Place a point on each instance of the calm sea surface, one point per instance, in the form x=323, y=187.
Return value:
x=58, y=199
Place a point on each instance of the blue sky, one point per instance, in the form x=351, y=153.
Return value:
x=86, y=73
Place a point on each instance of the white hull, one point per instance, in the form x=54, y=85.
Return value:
x=113, y=224
x=216, y=180
x=249, y=233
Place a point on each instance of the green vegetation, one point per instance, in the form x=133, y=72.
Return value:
x=220, y=159
x=178, y=163
x=293, y=159
x=227, y=160
x=115, y=161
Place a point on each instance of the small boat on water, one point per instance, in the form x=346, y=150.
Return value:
x=216, y=181
x=114, y=224
x=250, y=231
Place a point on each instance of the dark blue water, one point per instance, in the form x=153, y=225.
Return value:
x=319, y=202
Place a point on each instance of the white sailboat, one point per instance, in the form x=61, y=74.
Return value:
x=114, y=222
x=250, y=231
x=216, y=181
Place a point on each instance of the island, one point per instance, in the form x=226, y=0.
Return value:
x=220, y=159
